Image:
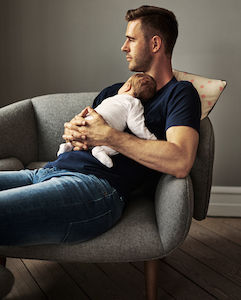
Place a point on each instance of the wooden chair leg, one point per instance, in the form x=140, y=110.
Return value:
x=151, y=277
x=3, y=261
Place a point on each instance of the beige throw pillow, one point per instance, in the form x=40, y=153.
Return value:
x=208, y=89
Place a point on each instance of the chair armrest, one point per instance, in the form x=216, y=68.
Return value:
x=18, y=134
x=174, y=210
x=11, y=164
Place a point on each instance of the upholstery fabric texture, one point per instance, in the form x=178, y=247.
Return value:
x=202, y=170
x=51, y=112
x=11, y=164
x=18, y=132
x=173, y=199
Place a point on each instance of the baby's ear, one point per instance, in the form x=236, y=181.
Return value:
x=128, y=86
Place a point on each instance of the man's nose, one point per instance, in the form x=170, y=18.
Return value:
x=124, y=47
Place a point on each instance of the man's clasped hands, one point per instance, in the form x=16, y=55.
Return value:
x=86, y=129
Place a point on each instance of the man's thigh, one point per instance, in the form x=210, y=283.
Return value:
x=12, y=179
x=59, y=210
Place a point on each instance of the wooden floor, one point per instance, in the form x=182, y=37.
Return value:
x=207, y=266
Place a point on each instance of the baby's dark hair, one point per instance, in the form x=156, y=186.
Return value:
x=143, y=85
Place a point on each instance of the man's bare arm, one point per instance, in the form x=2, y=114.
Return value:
x=174, y=156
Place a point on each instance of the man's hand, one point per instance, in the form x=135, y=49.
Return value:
x=70, y=132
x=83, y=133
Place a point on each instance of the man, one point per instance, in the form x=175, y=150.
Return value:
x=76, y=198
x=150, y=37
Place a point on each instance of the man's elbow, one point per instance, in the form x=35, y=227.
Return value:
x=182, y=171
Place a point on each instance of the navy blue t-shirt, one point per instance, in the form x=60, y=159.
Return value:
x=175, y=104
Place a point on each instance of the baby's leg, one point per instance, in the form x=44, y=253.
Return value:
x=102, y=154
x=65, y=147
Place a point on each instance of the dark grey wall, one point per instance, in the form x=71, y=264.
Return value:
x=51, y=46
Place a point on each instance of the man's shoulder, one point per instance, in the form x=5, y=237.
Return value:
x=185, y=86
x=181, y=90
x=174, y=91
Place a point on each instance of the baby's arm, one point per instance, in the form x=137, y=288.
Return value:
x=136, y=122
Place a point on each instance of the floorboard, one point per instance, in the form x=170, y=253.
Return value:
x=54, y=281
x=94, y=281
x=209, y=280
x=218, y=226
x=214, y=260
x=216, y=242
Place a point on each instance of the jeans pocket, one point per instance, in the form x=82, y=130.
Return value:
x=87, y=229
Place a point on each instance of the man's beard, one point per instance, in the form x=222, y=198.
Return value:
x=141, y=64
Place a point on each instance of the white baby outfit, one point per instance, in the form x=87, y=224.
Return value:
x=119, y=112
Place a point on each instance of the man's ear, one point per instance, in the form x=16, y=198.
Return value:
x=156, y=43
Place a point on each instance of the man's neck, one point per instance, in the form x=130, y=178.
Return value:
x=162, y=73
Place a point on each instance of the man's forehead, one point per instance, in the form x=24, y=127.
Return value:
x=133, y=27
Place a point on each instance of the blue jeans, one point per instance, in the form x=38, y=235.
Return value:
x=52, y=206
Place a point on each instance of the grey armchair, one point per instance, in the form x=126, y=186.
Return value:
x=152, y=226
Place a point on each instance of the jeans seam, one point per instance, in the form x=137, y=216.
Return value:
x=105, y=195
x=83, y=221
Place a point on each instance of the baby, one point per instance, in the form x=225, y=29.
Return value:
x=122, y=110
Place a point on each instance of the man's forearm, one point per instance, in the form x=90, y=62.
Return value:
x=163, y=156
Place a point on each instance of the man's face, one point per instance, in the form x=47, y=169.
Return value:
x=137, y=49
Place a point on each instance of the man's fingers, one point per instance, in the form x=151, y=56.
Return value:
x=84, y=112
x=76, y=149
x=91, y=110
x=67, y=137
x=79, y=146
x=72, y=126
x=75, y=136
x=78, y=122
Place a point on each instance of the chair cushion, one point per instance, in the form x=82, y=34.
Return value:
x=208, y=89
x=11, y=164
x=36, y=165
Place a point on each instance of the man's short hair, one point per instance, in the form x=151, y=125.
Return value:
x=143, y=85
x=156, y=21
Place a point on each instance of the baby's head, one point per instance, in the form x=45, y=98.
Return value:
x=140, y=85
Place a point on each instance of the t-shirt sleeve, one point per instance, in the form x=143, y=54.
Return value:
x=184, y=108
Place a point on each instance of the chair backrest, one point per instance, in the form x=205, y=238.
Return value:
x=201, y=173
x=51, y=111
